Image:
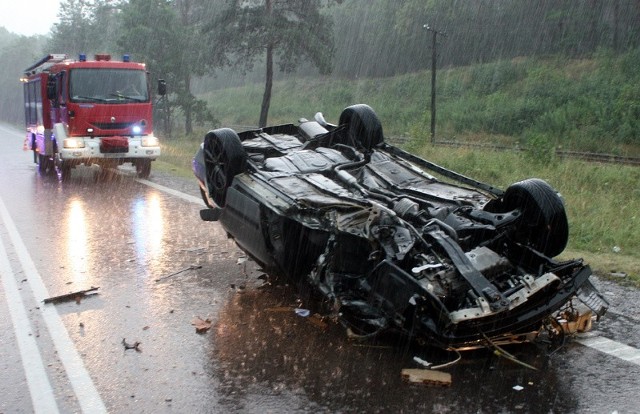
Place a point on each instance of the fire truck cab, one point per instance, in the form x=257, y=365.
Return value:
x=89, y=112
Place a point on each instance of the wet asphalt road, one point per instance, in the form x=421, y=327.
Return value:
x=143, y=247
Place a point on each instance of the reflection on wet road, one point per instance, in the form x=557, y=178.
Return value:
x=77, y=240
x=157, y=266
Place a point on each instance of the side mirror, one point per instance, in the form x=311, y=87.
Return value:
x=162, y=87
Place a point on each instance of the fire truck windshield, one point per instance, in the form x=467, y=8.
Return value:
x=108, y=85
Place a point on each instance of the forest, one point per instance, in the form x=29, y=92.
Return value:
x=485, y=49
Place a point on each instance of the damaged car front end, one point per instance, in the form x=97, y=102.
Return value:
x=384, y=242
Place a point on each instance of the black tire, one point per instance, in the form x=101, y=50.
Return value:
x=49, y=165
x=224, y=158
x=364, y=127
x=42, y=163
x=143, y=168
x=543, y=224
x=63, y=169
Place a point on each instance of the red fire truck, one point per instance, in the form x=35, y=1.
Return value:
x=89, y=112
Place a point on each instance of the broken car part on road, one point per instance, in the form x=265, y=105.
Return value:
x=452, y=261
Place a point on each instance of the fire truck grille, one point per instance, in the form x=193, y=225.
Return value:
x=114, y=145
x=113, y=125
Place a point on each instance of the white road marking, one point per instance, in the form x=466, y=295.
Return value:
x=599, y=343
x=173, y=192
x=40, y=389
x=613, y=348
x=86, y=392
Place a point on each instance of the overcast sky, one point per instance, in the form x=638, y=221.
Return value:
x=28, y=17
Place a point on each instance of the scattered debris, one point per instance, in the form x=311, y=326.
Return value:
x=573, y=321
x=266, y=282
x=317, y=321
x=314, y=319
x=202, y=325
x=192, y=267
x=135, y=345
x=427, y=377
x=366, y=345
x=422, y=362
x=621, y=275
x=498, y=351
x=77, y=296
x=194, y=250
x=280, y=309
x=432, y=367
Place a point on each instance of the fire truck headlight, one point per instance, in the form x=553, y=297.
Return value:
x=150, y=141
x=136, y=130
x=74, y=143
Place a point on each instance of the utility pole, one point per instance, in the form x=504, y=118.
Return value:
x=434, y=56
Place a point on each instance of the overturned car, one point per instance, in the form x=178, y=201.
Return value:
x=386, y=244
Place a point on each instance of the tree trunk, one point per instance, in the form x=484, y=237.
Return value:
x=188, y=108
x=266, y=98
x=616, y=25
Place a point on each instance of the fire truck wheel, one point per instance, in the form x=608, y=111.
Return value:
x=35, y=151
x=63, y=170
x=42, y=163
x=143, y=168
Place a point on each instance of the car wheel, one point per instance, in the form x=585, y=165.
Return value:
x=364, y=127
x=543, y=224
x=143, y=168
x=224, y=158
x=62, y=169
